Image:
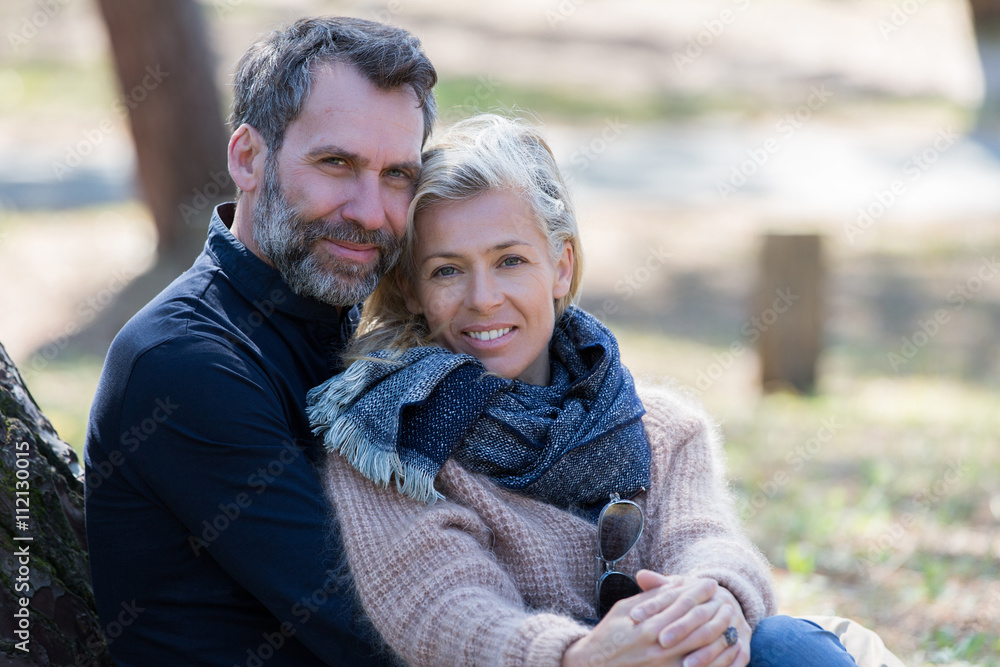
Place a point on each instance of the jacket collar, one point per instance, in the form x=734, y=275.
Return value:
x=255, y=279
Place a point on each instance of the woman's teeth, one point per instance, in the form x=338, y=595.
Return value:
x=488, y=335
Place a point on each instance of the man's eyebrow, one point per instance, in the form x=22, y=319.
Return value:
x=332, y=150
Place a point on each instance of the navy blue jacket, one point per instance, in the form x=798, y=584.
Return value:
x=210, y=538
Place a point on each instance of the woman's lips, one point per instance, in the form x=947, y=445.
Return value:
x=491, y=334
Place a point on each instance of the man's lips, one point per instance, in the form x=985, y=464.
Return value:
x=354, y=252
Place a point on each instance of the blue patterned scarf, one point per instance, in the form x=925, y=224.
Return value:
x=570, y=444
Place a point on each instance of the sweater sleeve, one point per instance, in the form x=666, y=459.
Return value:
x=690, y=512
x=430, y=584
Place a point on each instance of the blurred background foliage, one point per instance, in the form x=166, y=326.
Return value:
x=688, y=129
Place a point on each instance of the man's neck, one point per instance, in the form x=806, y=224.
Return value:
x=242, y=228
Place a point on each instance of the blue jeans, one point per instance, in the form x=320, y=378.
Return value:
x=783, y=641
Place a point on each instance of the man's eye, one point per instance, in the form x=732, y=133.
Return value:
x=399, y=173
x=335, y=160
x=513, y=261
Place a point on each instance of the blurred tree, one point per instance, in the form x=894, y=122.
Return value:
x=164, y=65
x=50, y=617
x=985, y=11
x=986, y=22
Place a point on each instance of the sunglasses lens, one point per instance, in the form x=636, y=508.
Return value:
x=619, y=529
x=616, y=586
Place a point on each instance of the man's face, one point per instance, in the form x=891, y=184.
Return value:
x=332, y=205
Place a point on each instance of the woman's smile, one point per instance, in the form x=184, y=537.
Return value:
x=486, y=282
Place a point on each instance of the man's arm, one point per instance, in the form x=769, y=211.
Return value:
x=224, y=462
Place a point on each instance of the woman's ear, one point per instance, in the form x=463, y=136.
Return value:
x=247, y=153
x=409, y=298
x=564, y=272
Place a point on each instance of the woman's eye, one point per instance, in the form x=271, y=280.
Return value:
x=444, y=271
x=513, y=261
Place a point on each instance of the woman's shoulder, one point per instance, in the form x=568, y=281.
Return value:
x=674, y=410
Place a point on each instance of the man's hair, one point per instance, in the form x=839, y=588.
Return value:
x=485, y=153
x=274, y=76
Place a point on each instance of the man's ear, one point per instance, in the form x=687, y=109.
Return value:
x=564, y=272
x=247, y=153
x=406, y=287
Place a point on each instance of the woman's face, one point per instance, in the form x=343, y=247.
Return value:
x=485, y=278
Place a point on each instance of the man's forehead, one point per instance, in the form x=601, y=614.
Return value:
x=343, y=108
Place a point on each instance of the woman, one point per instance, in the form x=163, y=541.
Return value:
x=485, y=421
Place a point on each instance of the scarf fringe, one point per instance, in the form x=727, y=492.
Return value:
x=327, y=404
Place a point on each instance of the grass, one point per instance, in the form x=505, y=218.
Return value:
x=877, y=499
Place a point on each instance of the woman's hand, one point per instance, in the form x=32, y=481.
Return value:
x=631, y=632
x=698, y=628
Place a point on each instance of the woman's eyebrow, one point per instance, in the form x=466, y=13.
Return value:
x=445, y=254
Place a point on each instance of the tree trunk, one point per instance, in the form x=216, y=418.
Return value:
x=164, y=65
x=985, y=11
x=48, y=613
x=788, y=311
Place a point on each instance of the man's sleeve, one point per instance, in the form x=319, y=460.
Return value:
x=222, y=459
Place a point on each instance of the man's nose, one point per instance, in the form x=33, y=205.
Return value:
x=365, y=205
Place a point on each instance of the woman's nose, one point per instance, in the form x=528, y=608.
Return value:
x=484, y=292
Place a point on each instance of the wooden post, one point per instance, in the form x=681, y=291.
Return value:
x=788, y=312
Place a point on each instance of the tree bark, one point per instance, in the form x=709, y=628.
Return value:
x=48, y=612
x=164, y=65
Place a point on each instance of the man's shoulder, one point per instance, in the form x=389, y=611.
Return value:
x=186, y=322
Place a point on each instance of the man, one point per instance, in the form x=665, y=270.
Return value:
x=209, y=535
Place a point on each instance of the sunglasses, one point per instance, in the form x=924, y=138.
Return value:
x=619, y=527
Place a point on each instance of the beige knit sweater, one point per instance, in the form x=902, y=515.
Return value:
x=489, y=577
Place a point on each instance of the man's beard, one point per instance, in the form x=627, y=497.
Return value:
x=290, y=242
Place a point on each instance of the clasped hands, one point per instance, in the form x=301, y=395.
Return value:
x=676, y=621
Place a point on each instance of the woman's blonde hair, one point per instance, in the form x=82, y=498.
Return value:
x=485, y=153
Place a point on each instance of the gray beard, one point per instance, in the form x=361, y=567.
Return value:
x=288, y=240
